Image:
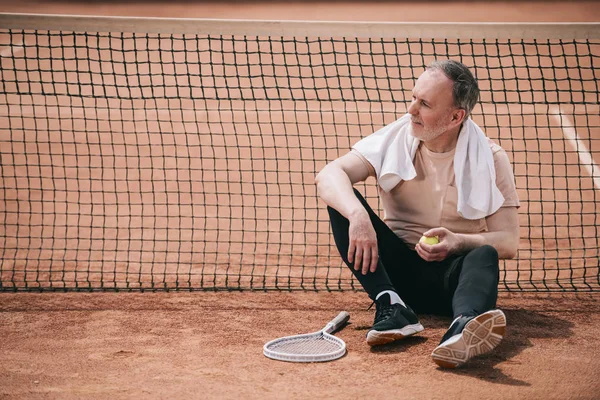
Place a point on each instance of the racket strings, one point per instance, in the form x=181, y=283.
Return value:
x=307, y=345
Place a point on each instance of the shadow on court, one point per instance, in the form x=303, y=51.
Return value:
x=522, y=326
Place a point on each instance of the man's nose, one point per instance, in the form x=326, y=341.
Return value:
x=412, y=108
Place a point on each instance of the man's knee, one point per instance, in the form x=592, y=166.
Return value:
x=333, y=213
x=485, y=256
x=487, y=252
x=361, y=198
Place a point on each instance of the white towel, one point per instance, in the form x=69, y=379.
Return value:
x=391, y=151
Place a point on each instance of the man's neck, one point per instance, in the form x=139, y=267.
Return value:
x=445, y=142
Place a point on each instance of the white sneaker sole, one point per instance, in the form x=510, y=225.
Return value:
x=376, y=338
x=481, y=334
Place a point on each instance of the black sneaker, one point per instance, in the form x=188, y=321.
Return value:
x=392, y=322
x=468, y=337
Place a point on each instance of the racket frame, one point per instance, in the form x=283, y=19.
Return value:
x=326, y=333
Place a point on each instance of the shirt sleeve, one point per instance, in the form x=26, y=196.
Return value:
x=390, y=151
x=505, y=179
x=371, y=149
x=365, y=162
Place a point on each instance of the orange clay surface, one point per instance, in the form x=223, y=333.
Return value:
x=209, y=346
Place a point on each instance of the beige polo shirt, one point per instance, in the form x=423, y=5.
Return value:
x=430, y=199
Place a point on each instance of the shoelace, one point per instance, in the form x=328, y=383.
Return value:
x=382, y=311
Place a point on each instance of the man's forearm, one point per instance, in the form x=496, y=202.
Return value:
x=335, y=189
x=506, y=243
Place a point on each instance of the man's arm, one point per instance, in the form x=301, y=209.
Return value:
x=503, y=235
x=335, y=187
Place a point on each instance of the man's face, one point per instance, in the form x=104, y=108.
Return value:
x=432, y=105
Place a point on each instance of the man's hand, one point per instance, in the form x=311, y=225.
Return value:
x=449, y=244
x=362, y=249
x=334, y=186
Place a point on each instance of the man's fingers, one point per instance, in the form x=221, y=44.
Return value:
x=366, y=264
x=420, y=252
x=425, y=255
x=358, y=256
x=432, y=249
x=374, y=259
x=351, y=250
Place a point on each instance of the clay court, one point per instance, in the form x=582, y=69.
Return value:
x=209, y=346
x=149, y=300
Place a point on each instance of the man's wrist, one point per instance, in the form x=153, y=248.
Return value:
x=467, y=242
x=358, y=213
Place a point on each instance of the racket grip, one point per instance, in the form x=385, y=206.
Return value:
x=337, y=322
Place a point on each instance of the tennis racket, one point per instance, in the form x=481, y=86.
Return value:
x=310, y=347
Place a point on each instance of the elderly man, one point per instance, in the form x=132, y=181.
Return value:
x=450, y=212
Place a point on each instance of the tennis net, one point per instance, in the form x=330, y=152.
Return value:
x=158, y=154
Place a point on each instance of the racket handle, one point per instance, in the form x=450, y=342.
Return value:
x=337, y=322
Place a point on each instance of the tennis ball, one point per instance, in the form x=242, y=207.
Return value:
x=429, y=239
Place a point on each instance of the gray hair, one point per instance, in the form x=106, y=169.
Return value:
x=465, y=89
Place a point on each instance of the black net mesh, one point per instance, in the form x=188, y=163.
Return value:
x=161, y=161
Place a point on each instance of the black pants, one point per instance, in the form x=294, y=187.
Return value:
x=459, y=285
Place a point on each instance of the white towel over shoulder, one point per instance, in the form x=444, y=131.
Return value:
x=391, y=151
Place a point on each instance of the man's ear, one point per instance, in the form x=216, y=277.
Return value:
x=458, y=116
